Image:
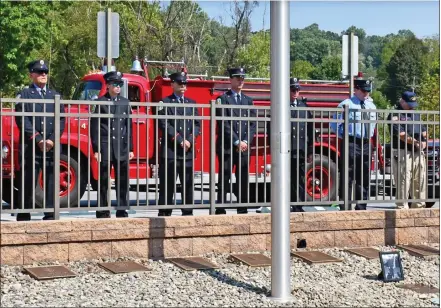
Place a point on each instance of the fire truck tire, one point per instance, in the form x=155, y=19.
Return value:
x=69, y=183
x=6, y=192
x=327, y=182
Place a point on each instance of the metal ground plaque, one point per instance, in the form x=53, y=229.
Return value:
x=419, y=288
x=315, y=257
x=123, y=267
x=420, y=250
x=49, y=272
x=193, y=263
x=367, y=252
x=252, y=259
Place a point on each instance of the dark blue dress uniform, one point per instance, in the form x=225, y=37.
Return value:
x=114, y=134
x=360, y=135
x=173, y=155
x=302, y=142
x=36, y=129
x=229, y=134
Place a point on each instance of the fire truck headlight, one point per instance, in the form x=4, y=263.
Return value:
x=5, y=152
x=268, y=168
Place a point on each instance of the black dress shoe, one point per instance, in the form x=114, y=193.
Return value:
x=296, y=208
x=242, y=211
x=121, y=214
x=220, y=212
x=164, y=212
x=102, y=214
x=48, y=217
x=23, y=216
x=187, y=212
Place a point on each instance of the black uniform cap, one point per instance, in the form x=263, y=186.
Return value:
x=113, y=76
x=364, y=85
x=179, y=77
x=294, y=83
x=38, y=66
x=234, y=72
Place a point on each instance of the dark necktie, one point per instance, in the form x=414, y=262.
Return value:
x=43, y=93
x=365, y=134
x=239, y=101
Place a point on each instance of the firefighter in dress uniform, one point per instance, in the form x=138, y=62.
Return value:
x=38, y=140
x=302, y=142
x=409, y=142
x=177, y=146
x=360, y=135
x=114, y=134
x=233, y=140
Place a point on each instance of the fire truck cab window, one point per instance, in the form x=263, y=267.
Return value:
x=87, y=90
x=134, y=95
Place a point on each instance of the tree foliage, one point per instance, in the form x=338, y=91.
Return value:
x=64, y=34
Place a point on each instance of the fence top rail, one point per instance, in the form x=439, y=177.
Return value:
x=208, y=105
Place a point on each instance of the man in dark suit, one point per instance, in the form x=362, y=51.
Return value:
x=233, y=140
x=177, y=146
x=112, y=142
x=302, y=142
x=37, y=135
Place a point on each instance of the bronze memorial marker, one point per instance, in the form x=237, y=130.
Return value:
x=49, y=272
x=193, y=263
x=253, y=259
x=366, y=252
x=419, y=288
x=420, y=250
x=315, y=257
x=123, y=267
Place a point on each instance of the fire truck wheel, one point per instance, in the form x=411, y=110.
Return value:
x=6, y=192
x=321, y=180
x=70, y=185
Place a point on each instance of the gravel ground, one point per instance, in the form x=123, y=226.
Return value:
x=346, y=284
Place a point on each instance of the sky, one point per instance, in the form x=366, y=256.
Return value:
x=375, y=17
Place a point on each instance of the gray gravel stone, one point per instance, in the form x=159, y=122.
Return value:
x=346, y=284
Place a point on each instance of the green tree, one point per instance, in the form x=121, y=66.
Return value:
x=255, y=56
x=23, y=31
x=406, y=64
x=302, y=69
x=329, y=69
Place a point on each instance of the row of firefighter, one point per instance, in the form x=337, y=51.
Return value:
x=113, y=139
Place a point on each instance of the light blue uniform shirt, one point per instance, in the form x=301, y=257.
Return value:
x=357, y=130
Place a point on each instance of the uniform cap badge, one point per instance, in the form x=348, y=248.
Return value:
x=182, y=74
x=368, y=82
x=118, y=74
x=413, y=98
x=295, y=79
x=41, y=62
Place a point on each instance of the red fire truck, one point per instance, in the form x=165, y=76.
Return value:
x=79, y=168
